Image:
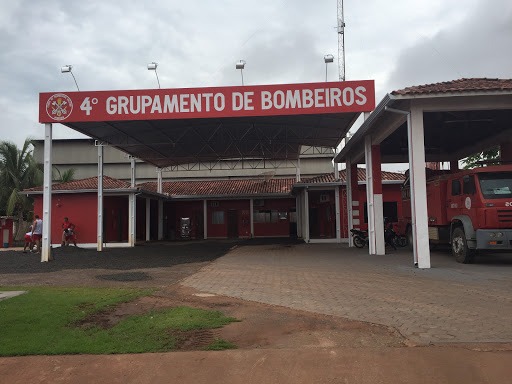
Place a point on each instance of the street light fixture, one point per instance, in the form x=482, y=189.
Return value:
x=241, y=65
x=68, y=68
x=328, y=59
x=152, y=67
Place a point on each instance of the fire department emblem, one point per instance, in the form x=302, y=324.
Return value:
x=59, y=106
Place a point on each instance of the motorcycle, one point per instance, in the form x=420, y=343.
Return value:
x=360, y=238
x=392, y=238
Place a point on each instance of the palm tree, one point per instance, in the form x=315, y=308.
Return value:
x=64, y=177
x=18, y=171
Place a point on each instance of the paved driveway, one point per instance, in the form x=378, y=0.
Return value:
x=449, y=303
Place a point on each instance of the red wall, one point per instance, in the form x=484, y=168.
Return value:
x=7, y=225
x=80, y=208
x=325, y=225
x=189, y=209
x=390, y=193
x=116, y=218
x=282, y=227
x=221, y=230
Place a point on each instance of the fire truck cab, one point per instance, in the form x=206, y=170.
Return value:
x=469, y=209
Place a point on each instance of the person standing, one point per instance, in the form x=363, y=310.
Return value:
x=37, y=232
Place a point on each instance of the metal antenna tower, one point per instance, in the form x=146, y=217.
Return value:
x=341, y=41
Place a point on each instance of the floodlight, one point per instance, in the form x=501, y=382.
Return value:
x=328, y=59
x=241, y=65
x=68, y=68
x=152, y=67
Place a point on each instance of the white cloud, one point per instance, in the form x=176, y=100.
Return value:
x=398, y=43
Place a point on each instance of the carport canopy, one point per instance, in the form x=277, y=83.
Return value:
x=169, y=127
x=439, y=122
x=177, y=126
x=460, y=118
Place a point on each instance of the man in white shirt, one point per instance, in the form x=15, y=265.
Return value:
x=37, y=232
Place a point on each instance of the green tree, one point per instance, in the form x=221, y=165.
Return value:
x=64, y=177
x=476, y=160
x=18, y=171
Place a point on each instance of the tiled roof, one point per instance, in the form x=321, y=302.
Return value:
x=222, y=187
x=361, y=176
x=212, y=187
x=461, y=85
x=89, y=183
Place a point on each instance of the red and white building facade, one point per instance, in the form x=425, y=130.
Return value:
x=217, y=209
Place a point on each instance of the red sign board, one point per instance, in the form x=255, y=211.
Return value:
x=189, y=103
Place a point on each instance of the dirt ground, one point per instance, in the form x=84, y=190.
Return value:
x=146, y=265
x=275, y=344
x=261, y=325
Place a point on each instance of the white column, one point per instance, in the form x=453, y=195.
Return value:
x=297, y=170
x=100, y=198
x=338, y=217
x=306, y=214
x=132, y=208
x=418, y=187
x=350, y=221
x=148, y=219
x=160, y=219
x=378, y=214
x=369, y=194
x=336, y=169
x=205, y=219
x=132, y=171
x=378, y=207
x=46, y=242
x=251, y=207
x=159, y=184
x=298, y=214
x=160, y=206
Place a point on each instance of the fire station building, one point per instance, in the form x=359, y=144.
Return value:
x=215, y=209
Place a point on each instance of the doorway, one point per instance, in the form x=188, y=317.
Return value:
x=232, y=224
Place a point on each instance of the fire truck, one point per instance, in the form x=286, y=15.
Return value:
x=469, y=209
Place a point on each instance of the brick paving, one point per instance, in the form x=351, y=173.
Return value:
x=449, y=303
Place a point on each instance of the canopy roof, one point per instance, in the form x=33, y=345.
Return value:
x=179, y=126
x=460, y=118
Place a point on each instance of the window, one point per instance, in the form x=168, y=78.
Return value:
x=267, y=216
x=496, y=185
x=390, y=211
x=218, y=217
x=456, y=188
x=468, y=184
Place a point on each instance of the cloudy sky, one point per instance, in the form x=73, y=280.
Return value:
x=397, y=43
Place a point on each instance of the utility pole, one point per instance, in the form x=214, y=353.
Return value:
x=341, y=40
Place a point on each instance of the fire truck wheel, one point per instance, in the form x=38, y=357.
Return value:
x=460, y=247
x=358, y=242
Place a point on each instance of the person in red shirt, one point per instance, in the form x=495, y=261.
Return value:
x=29, y=242
x=68, y=232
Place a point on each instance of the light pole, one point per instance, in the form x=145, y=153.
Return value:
x=241, y=65
x=68, y=68
x=152, y=67
x=328, y=59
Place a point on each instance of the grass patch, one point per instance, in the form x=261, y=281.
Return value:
x=220, y=345
x=44, y=321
